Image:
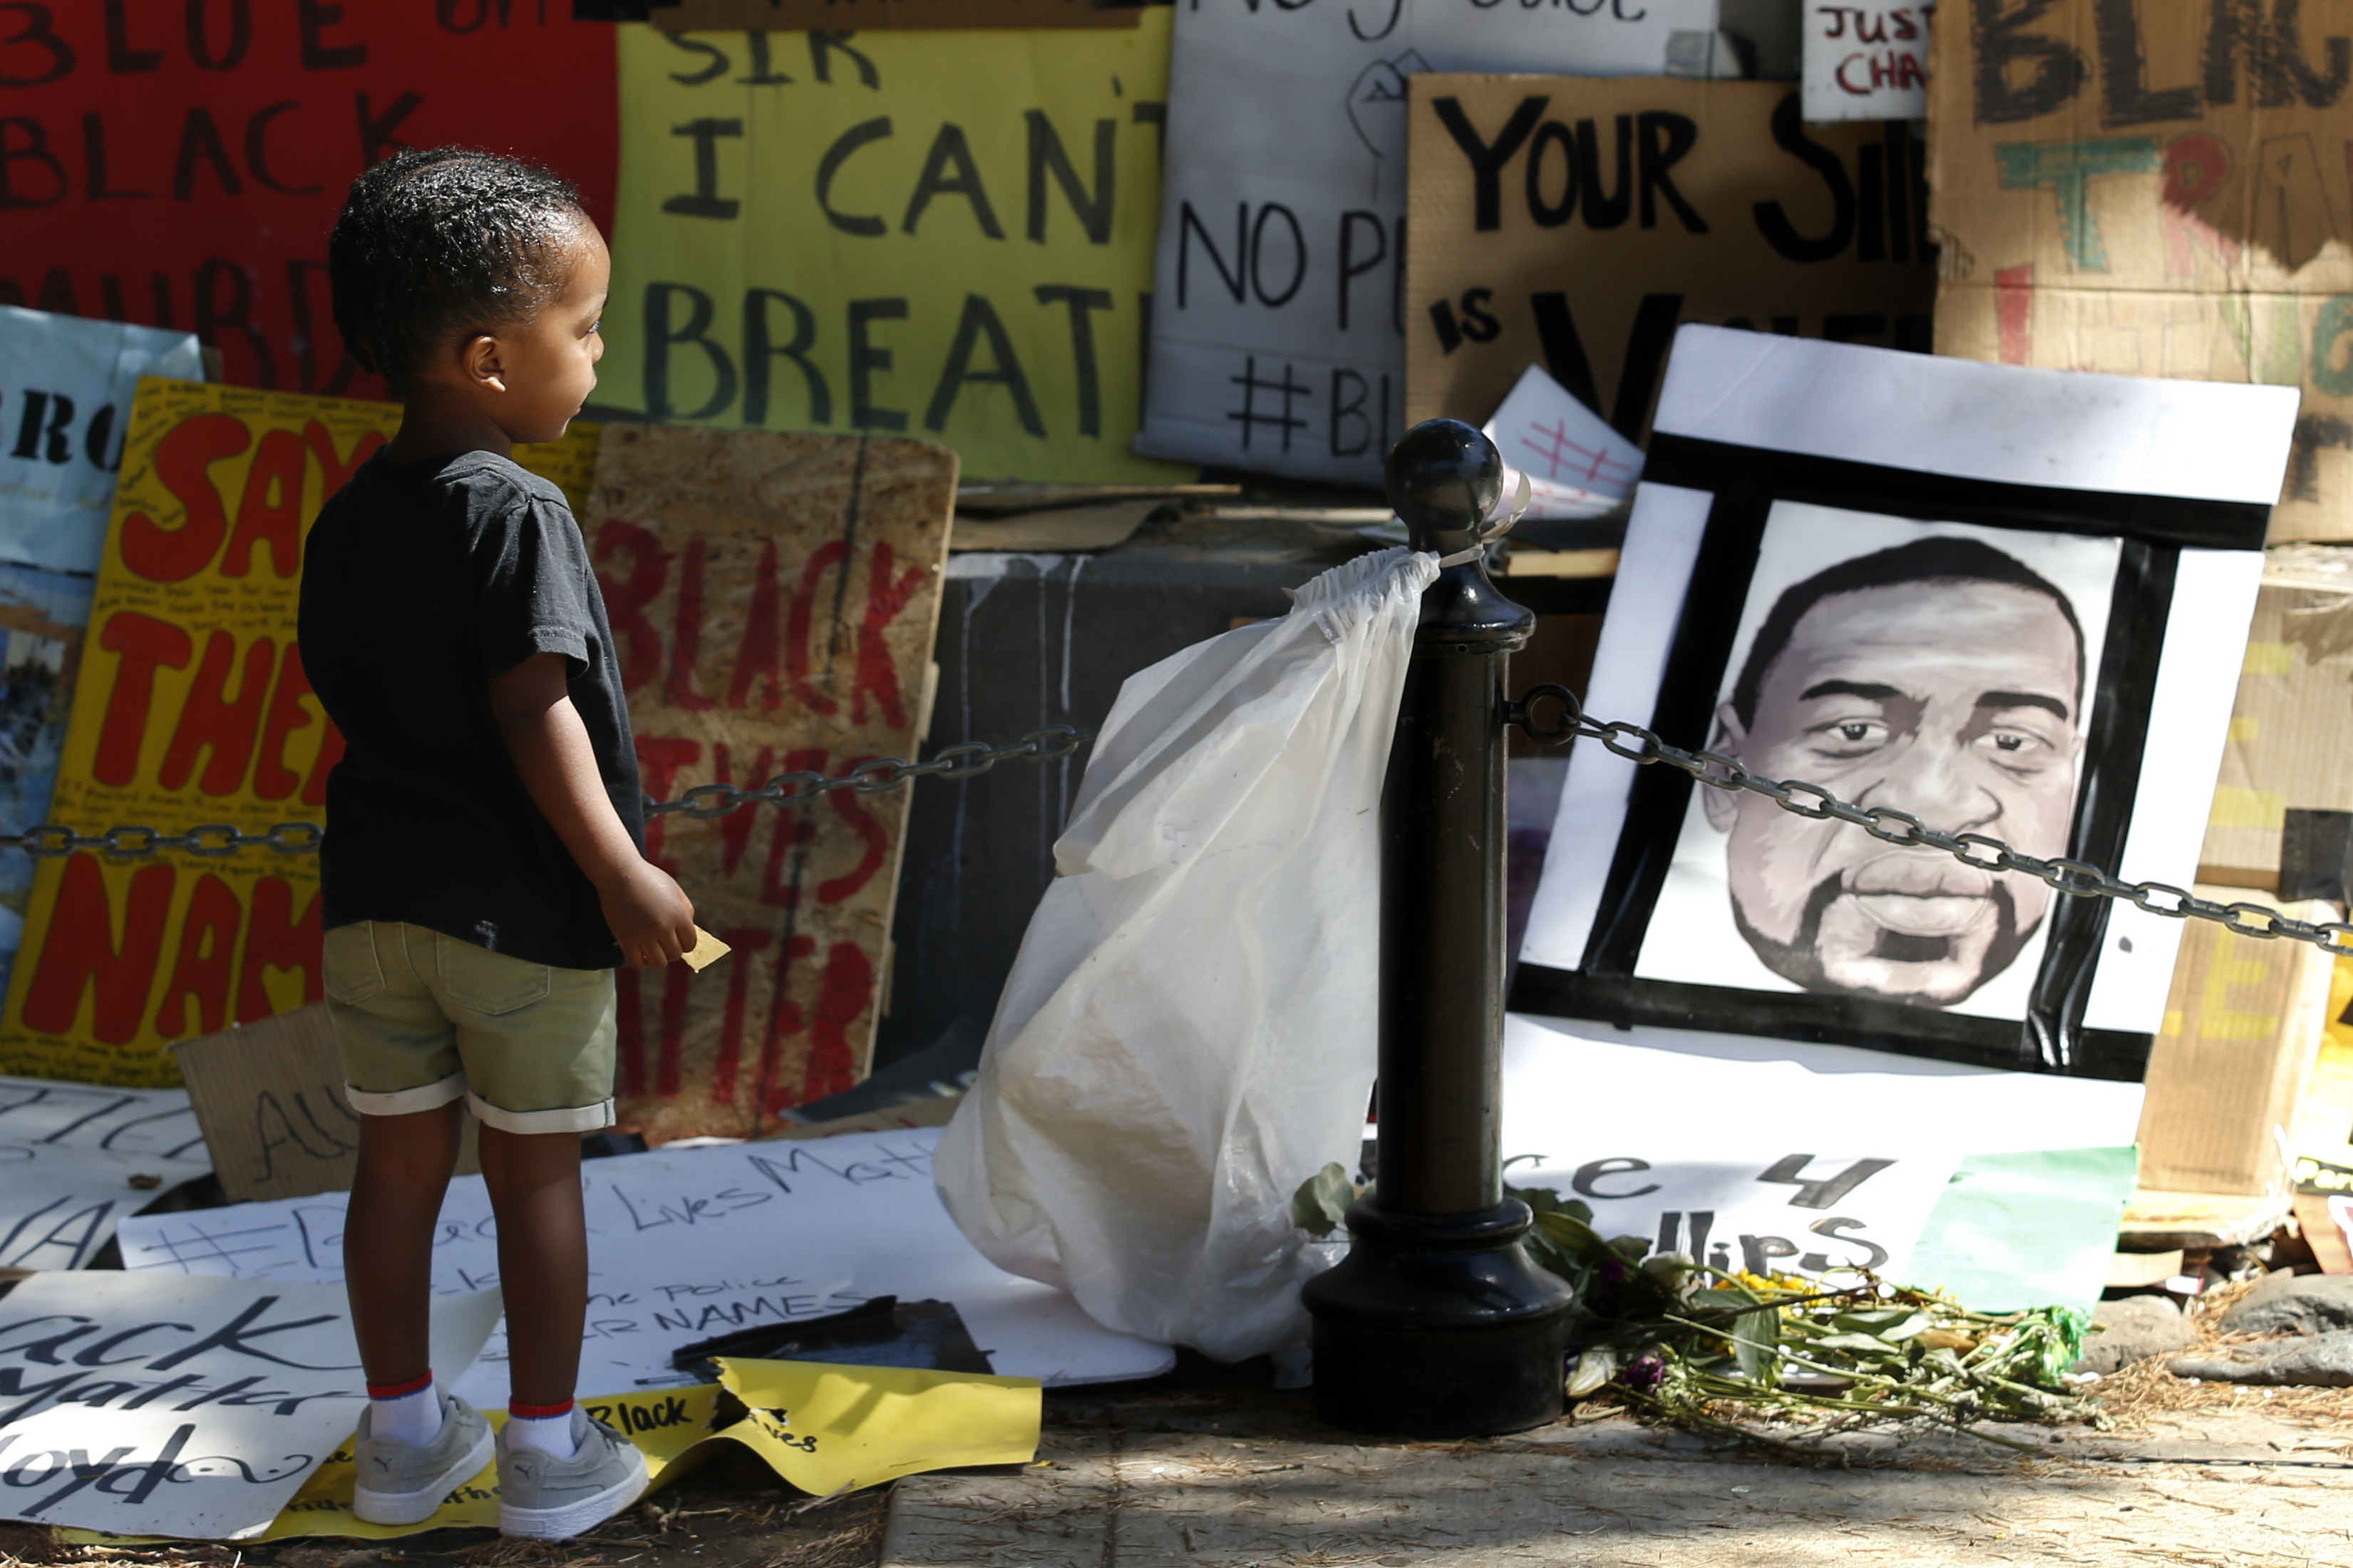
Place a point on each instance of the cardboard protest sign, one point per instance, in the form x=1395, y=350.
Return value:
x=43, y=615
x=947, y=236
x=2153, y=190
x=67, y=383
x=1866, y=62
x=1725, y=208
x=269, y=1094
x=773, y=598
x=695, y=1243
x=163, y=1404
x=794, y=16
x=192, y=708
x=74, y=1160
x=180, y=166
x=2006, y=602
x=1279, y=308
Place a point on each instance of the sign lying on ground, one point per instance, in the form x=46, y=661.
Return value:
x=940, y=235
x=75, y=1159
x=161, y=1404
x=1724, y=206
x=2154, y=190
x=181, y=165
x=192, y=708
x=1279, y=308
x=697, y=1242
x=774, y=599
x=65, y=407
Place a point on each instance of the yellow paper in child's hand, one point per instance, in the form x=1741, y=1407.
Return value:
x=707, y=951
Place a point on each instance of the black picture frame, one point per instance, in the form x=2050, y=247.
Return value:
x=1745, y=483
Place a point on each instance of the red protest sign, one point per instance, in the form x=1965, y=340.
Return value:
x=179, y=163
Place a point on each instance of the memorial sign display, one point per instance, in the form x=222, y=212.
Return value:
x=774, y=599
x=192, y=709
x=947, y=236
x=2157, y=190
x=1725, y=207
x=2007, y=604
x=1280, y=314
x=180, y=166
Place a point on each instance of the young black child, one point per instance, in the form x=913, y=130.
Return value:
x=483, y=867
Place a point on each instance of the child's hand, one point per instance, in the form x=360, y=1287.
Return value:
x=649, y=913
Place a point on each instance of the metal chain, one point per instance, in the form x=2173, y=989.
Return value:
x=2079, y=878
x=968, y=760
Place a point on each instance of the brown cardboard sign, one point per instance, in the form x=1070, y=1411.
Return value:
x=270, y=1097
x=2243, y=1025
x=2291, y=733
x=772, y=599
x=2155, y=189
x=1573, y=222
x=875, y=16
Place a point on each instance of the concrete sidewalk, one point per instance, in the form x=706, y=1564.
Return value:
x=1225, y=1480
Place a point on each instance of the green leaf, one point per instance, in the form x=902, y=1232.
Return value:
x=1858, y=1344
x=1756, y=1341
x=1321, y=1204
x=1572, y=1236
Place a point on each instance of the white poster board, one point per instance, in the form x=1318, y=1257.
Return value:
x=1772, y=1155
x=693, y=1243
x=157, y=1404
x=69, y=1152
x=1279, y=295
x=1866, y=61
x=65, y=400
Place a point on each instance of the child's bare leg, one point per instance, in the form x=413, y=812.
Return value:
x=535, y=1182
x=404, y=1169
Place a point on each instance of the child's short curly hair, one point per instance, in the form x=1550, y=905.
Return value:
x=440, y=241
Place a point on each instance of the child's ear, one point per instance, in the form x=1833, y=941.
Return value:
x=479, y=363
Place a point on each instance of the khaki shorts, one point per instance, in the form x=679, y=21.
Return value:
x=424, y=1019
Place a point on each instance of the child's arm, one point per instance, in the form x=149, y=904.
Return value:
x=649, y=914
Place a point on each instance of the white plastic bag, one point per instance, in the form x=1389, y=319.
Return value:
x=1189, y=1031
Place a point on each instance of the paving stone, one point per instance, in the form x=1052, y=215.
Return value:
x=2322, y=1361
x=2134, y=1328
x=2293, y=1303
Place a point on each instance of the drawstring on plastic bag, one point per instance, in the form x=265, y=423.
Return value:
x=1496, y=528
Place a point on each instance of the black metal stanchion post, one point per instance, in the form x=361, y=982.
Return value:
x=1437, y=1324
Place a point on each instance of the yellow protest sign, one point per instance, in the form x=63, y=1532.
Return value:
x=941, y=234
x=192, y=709
x=829, y=1429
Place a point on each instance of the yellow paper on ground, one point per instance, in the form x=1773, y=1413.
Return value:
x=824, y=1427
x=829, y=1429
x=943, y=235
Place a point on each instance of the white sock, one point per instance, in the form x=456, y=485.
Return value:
x=548, y=1434
x=412, y=1417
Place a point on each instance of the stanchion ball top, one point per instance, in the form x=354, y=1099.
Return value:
x=1443, y=478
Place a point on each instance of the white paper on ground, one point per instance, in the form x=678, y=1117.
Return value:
x=161, y=1404
x=1774, y=1141
x=56, y=471
x=686, y=1246
x=1932, y=415
x=1576, y=466
x=1866, y=61
x=68, y=1151
x=1279, y=289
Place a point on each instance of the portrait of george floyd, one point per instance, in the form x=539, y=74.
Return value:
x=1940, y=668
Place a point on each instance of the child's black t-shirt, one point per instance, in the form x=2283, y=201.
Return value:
x=421, y=582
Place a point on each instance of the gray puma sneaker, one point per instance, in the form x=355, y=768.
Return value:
x=404, y=1483
x=542, y=1497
